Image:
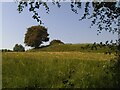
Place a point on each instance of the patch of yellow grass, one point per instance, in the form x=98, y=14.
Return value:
x=62, y=55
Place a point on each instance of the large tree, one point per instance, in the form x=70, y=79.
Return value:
x=36, y=35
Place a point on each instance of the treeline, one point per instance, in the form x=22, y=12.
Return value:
x=16, y=48
x=20, y=48
x=6, y=50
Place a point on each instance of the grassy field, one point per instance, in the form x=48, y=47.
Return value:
x=56, y=70
x=76, y=48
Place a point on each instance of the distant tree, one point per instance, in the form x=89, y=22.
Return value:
x=56, y=42
x=18, y=48
x=35, y=36
x=101, y=43
x=6, y=50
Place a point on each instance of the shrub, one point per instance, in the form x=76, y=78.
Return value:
x=56, y=42
x=18, y=48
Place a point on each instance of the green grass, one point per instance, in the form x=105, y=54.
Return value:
x=56, y=70
x=74, y=48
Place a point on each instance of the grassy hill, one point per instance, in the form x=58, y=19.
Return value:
x=75, y=47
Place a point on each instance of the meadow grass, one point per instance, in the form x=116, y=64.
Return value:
x=73, y=48
x=56, y=70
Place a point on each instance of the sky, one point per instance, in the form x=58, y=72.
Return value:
x=0, y=25
x=62, y=24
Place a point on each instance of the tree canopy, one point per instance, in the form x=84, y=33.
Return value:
x=104, y=13
x=35, y=36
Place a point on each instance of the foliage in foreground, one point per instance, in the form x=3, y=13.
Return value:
x=103, y=13
x=114, y=67
x=57, y=70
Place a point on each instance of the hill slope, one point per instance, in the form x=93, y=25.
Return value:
x=75, y=47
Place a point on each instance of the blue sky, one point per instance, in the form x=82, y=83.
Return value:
x=0, y=25
x=62, y=24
